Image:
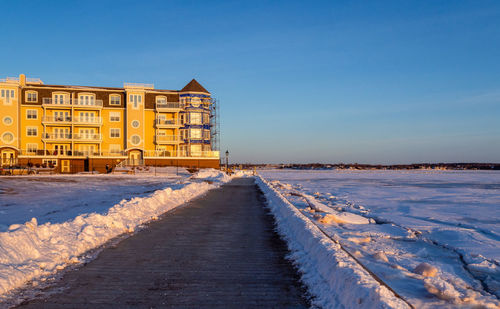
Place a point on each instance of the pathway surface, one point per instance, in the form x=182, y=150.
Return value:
x=219, y=251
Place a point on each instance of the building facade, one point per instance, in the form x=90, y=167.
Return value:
x=80, y=128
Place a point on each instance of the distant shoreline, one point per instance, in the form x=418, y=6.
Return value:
x=356, y=166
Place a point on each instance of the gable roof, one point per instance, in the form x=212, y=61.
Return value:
x=194, y=86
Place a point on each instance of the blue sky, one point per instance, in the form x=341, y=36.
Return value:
x=298, y=81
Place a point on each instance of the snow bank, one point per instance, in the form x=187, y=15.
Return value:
x=334, y=279
x=29, y=251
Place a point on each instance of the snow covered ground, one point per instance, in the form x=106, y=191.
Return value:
x=431, y=236
x=49, y=222
x=59, y=198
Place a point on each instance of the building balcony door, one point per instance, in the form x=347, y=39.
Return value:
x=135, y=157
x=65, y=166
x=8, y=157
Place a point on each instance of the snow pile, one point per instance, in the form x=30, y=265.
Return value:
x=433, y=237
x=333, y=278
x=29, y=251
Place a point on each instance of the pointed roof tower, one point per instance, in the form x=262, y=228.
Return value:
x=194, y=86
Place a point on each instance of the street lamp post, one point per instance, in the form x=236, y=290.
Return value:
x=227, y=160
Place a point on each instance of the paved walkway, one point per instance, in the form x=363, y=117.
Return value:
x=219, y=251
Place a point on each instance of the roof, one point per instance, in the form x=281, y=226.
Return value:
x=194, y=86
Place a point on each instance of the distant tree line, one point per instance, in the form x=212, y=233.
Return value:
x=357, y=166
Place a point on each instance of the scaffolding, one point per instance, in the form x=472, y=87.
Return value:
x=214, y=125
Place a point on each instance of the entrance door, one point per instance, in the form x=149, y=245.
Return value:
x=135, y=157
x=8, y=157
x=65, y=166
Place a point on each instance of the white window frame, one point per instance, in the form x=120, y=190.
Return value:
x=111, y=96
x=115, y=148
x=114, y=115
x=114, y=130
x=31, y=148
x=8, y=95
x=27, y=96
x=91, y=97
x=28, y=129
x=161, y=97
x=196, y=136
x=191, y=118
x=28, y=114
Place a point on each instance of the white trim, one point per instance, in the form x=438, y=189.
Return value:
x=30, y=110
x=28, y=129
x=119, y=133
x=119, y=99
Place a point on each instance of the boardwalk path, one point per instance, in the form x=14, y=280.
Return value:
x=217, y=251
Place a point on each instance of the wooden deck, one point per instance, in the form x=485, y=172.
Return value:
x=219, y=251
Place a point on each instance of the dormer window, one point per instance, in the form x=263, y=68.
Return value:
x=31, y=96
x=161, y=100
x=114, y=99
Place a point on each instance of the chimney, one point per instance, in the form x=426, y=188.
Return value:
x=22, y=80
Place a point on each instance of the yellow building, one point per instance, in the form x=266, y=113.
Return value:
x=84, y=128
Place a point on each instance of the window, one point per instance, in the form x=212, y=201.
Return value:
x=114, y=99
x=7, y=120
x=7, y=137
x=196, y=150
x=49, y=162
x=135, y=124
x=61, y=99
x=195, y=118
x=7, y=95
x=32, y=148
x=86, y=100
x=161, y=100
x=135, y=100
x=31, y=114
x=31, y=96
x=114, y=148
x=135, y=140
x=114, y=132
x=206, y=134
x=32, y=131
x=114, y=116
x=196, y=133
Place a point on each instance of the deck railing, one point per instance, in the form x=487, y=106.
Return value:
x=168, y=139
x=169, y=105
x=72, y=102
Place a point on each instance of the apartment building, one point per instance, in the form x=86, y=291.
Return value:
x=85, y=128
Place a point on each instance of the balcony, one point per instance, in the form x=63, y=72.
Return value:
x=89, y=121
x=168, y=139
x=57, y=137
x=174, y=154
x=167, y=123
x=87, y=104
x=87, y=137
x=76, y=103
x=56, y=120
x=48, y=102
x=169, y=106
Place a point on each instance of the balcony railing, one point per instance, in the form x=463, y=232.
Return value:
x=167, y=122
x=167, y=139
x=173, y=154
x=138, y=85
x=87, y=137
x=57, y=119
x=56, y=103
x=76, y=120
x=75, y=137
x=83, y=103
x=88, y=120
x=49, y=102
x=57, y=136
x=117, y=153
x=69, y=153
x=169, y=105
